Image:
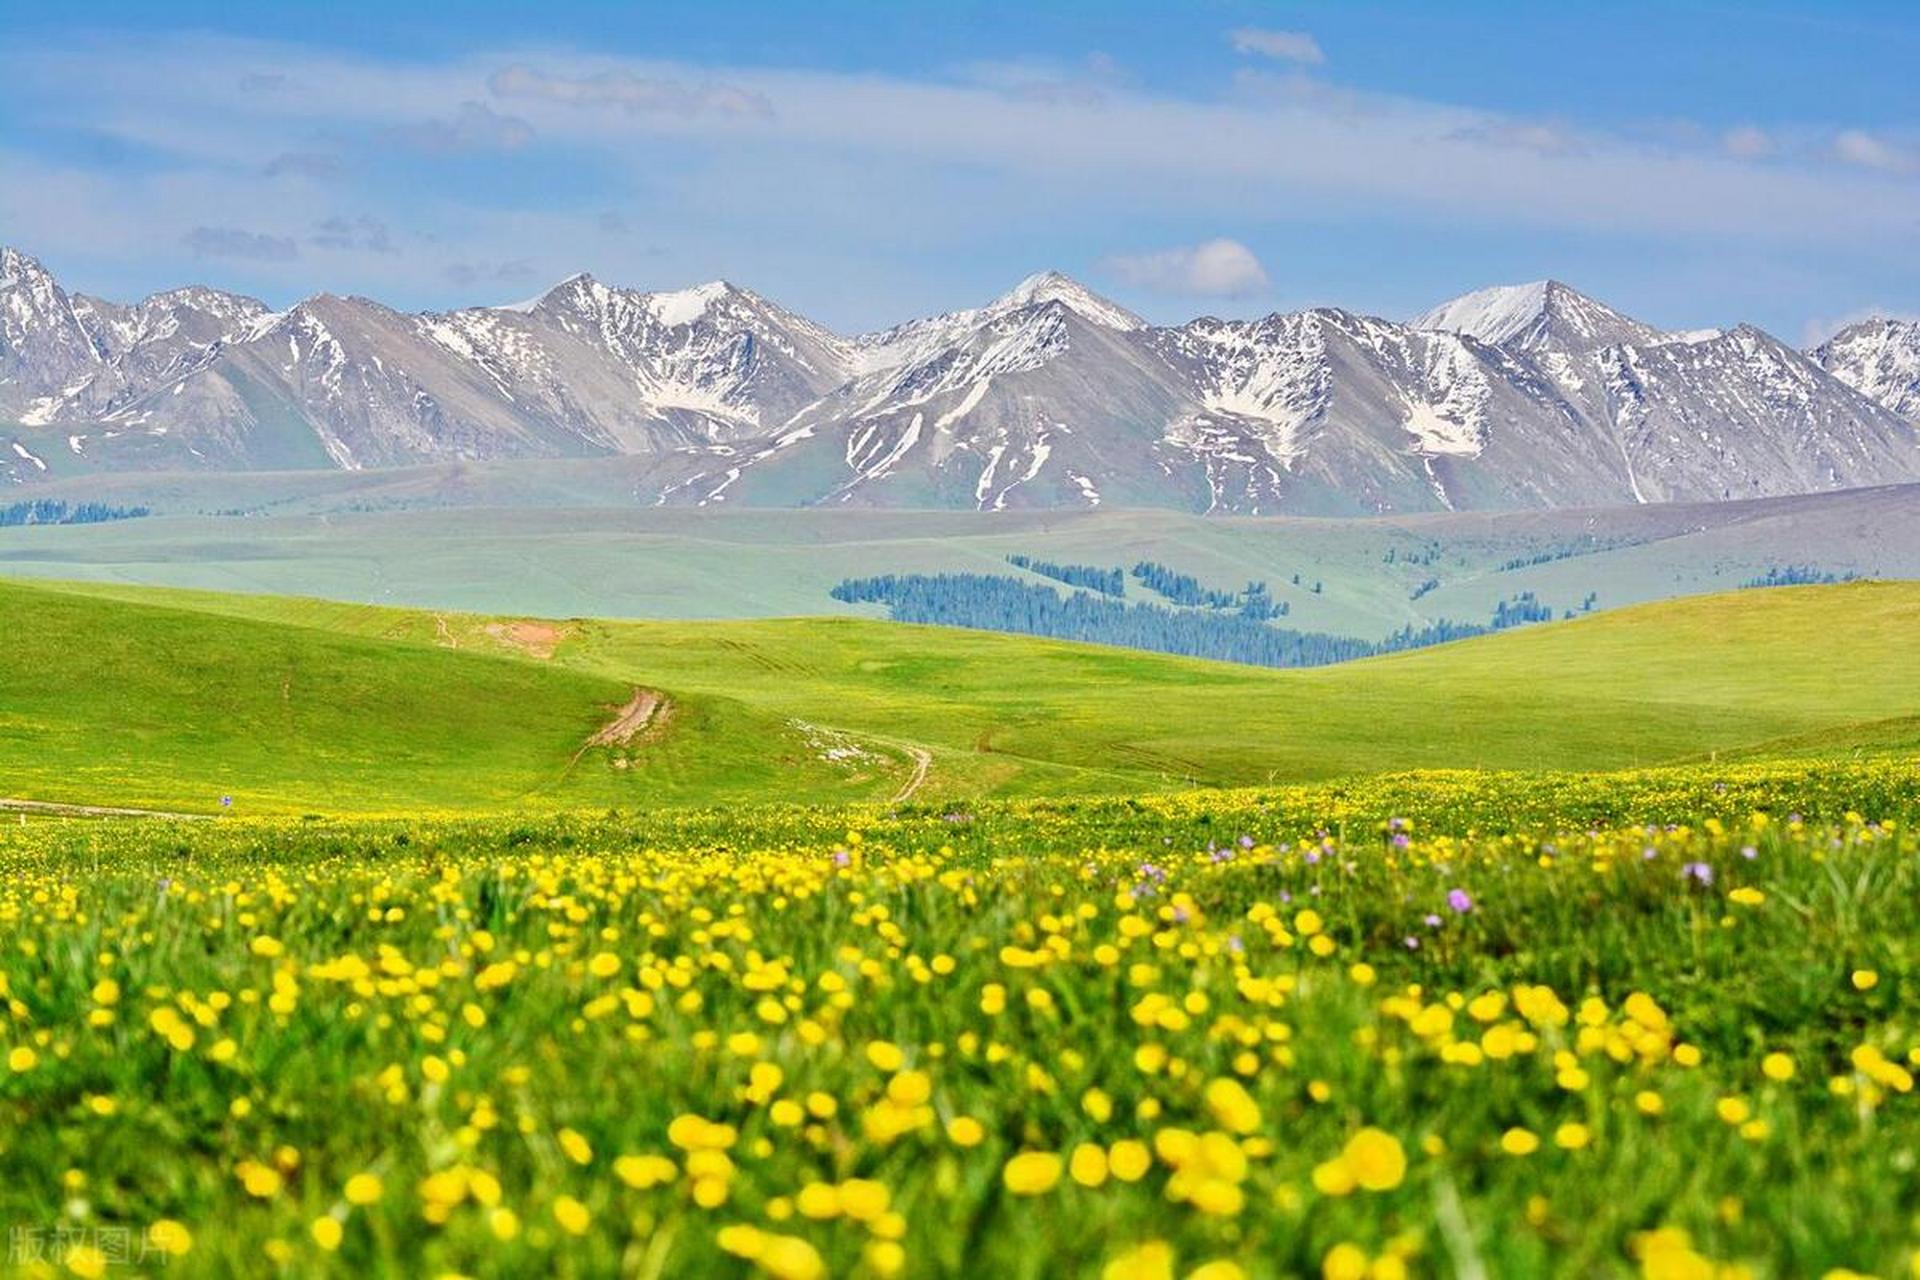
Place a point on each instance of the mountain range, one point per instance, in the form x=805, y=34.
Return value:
x=1048, y=397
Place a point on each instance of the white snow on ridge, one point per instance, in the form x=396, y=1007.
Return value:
x=917, y=340
x=1051, y=286
x=1435, y=434
x=1492, y=315
x=684, y=306
x=1536, y=316
x=975, y=394
x=27, y=455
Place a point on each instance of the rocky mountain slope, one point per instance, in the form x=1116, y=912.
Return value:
x=1049, y=396
x=1880, y=359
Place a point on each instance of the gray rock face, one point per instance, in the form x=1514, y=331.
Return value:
x=68, y=356
x=1880, y=359
x=1048, y=397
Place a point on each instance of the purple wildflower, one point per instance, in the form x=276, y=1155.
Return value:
x=1459, y=900
x=1698, y=872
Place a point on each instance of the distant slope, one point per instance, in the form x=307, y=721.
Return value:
x=552, y=539
x=165, y=699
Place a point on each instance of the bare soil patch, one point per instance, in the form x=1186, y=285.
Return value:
x=535, y=639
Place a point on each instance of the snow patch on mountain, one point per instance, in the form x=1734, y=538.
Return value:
x=1879, y=358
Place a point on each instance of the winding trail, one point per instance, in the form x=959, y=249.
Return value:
x=922, y=762
x=647, y=709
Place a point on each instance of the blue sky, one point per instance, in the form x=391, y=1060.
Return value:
x=1693, y=164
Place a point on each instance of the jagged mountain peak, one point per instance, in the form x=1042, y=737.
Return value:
x=1537, y=316
x=1049, y=395
x=1055, y=286
x=672, y=308
x=1880, y=358
x=1875, y=328
x=17, y=266
x=217, y=303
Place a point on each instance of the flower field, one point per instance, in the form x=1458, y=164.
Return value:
x=1661, y=1024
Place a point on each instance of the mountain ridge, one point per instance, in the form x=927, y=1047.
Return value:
x=1049, y=395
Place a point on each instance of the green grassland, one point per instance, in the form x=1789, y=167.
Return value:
x=168, y=699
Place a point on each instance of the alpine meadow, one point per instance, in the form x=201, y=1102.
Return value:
x=1096, y=702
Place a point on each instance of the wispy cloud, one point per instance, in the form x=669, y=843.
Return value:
x=518, y=271
x=1869, y=151
x=844, y=184
x=474, y=127
x=362, y=234
x=1542, y=137
x=636, y=94
x=303, y=164
x=1747, y=142
x=1086, y=83
x=232, y=242
x=1287, y=46
x=1212, y=269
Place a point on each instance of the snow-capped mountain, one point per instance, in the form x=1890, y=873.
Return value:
x=1880, y=359
x=1701, y=415
x=1543, y=316
x=69, y=356
x=916, y=340
x=1048, y=396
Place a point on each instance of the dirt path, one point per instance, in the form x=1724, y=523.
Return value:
x=647, y=709
x=922, y=762
x=51, y=809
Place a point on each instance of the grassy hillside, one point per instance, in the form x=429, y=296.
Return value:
x=129, y=696
x=151, y=705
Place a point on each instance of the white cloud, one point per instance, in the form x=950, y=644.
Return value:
x=636, y=94
x=1212, y=269
x=829, y=198
x=1538, y=136
x=1856, y=146
x=1084, y=84
x=1288, y=46
x=1747, y=142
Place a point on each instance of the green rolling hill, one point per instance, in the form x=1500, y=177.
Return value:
x=171, y=699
